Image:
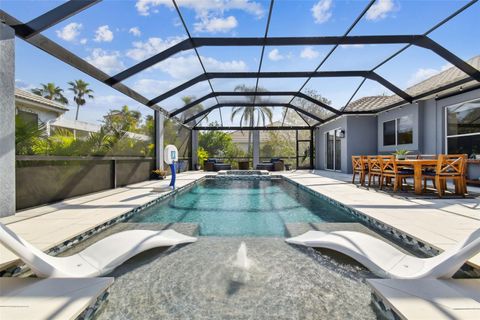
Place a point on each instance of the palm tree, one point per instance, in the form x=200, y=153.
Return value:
x=81, y=91
x=122, y=120
x=51, y=92
x=247, y=114
x=193, y=110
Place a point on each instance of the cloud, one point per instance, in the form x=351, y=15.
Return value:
x=209, y=14
x=380, y=9
x=135, y=31
x=425, y=73
x=214, y=25
x=275, y=55
x=106, y=61
x=70, y=31
x=83, y=41
x=347, y=46
x=103, y=34
x=23, y=84
x=152, y=86
x=186, y=67
x=321, y=11
x=309, y=53
x=143, y=50
x=203, y=7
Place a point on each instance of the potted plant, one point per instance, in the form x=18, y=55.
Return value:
x=202, y=155
x=159, y=174
x=401, y=154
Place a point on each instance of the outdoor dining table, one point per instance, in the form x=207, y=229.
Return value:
x=417, y=165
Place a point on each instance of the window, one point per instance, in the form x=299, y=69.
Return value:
x=463, y=128
x=404, y=130
x=398, y=131
x=28, y=117
x=389, y=133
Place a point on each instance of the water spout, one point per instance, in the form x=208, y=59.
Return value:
x=241, y=265
x=242, y=261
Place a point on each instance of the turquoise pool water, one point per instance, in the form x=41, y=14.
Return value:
x=243, y=208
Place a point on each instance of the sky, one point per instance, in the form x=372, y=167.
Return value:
x=116, y=34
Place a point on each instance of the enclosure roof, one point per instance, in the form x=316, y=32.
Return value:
x=300, y=73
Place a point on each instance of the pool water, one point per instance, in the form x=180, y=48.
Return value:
x=226, y=207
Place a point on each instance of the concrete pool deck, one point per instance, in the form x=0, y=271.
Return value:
x=48, y=226
x=442, y=223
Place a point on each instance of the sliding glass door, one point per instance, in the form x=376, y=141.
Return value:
x=334, y=150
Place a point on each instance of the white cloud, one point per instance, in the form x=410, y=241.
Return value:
x=23, y=84
x=152, y=86
x=275, y=55
x=83, y=41
x=347, y=46
x=135, y=31
x=214, y=25
x=142, y=50
x=106, y=61
x=209, y=14
x=202, y=7
x=380, y=9
x=309, y=53
x=321, y=11
x=70, y=31
x=425, y=73
x=186, y=67
x=103, y=34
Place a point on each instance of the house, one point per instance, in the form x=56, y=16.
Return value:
x=32, y=107
x=446, y=122
x=37, y=109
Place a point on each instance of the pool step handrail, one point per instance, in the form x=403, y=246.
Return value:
x=98, y=259
x=386, y=261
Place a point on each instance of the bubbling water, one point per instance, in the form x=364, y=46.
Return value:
x=241, y=265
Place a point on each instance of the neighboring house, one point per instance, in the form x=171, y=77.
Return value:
x=446, y=122
x=37, y=109
x=32, y=107
x=240, y=138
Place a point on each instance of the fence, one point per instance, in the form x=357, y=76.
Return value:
x=46, y=179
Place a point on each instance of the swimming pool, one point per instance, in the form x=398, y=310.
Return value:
x=243, y=207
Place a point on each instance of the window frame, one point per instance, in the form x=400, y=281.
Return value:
x=396, y=120
x=446, y=124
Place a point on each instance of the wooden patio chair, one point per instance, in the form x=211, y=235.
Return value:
x=390, y=170
x=374, y=169
x=449, y=166
x=360, y=166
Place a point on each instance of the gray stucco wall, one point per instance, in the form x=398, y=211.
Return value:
x=364, y=134
x=411, y=110
x=320, y=138
x=360, y=139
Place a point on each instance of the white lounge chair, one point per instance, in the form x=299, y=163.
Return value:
x=386, y=261
x=96, y=260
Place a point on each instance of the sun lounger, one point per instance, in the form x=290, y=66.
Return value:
x=386, y=261
x=96, y=260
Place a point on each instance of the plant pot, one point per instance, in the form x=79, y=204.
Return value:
x=477, y=157
x=401, y=156
x=157, y=177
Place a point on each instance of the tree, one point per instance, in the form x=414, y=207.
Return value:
x=215, y=142
x=193, y=110
x=51, y=92
x=81, y=92
x=247, y=113
x=122, y=120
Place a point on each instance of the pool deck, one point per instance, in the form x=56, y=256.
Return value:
x=442, y=223
x=48, y=226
